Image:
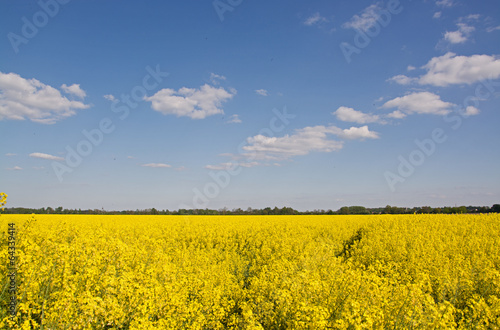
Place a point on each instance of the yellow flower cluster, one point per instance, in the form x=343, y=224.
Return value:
x=255, y=272
x=3, y=200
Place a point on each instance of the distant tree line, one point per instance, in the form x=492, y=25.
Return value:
x=268, y=211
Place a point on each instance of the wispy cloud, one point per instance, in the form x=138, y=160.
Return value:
x=315, y=18
x=493, y=28
x=215, y=78
x=402, y=79
x=45, y=156
x=231, y=165
x=366, y=20
x=10, y=154
x=233, y=119
x=15, y=168
x=157, y=165
x=109, y=97
x=445, y=3
x=262, y=92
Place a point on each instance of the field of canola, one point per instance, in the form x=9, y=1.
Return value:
x=254, y=272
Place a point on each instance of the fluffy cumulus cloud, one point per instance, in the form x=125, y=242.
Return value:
x=304, y=141
x=31, y=99
x=354, y=133
x=45, y=156
x=418, y=103
x=351, y=115
x=459, y=36
x=74, y=90
x=156, y=165
x=451, y=69
x=471, y=111
x=190, y=102
x=366, y=20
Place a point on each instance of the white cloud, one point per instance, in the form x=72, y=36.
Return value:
x=455, y=37
x=220, y=167
x=109, y=97
x=437, y=14
x=316, y=18
x=351, y=115
x=396, y=115
x=262, y=92
x=190, y=102
x=156, y=165
x=233, y=119
x=451, y=69
x=74, y=90
x=402, y=79
x=420, y=103
x=445, y=3
x=304, y=141
x=15, y=168
x=459, y=36
x=472, y=17
x=366, y=20
x=410, y=68
x=355, y=133
x=494, y=28
x=45, y=156
x=471, y=111
x=22, y=99
x=214, y=78
x=231, y=166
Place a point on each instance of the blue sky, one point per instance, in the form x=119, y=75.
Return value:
x=195, y=104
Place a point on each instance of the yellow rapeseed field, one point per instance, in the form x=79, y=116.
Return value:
x=252, y=272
